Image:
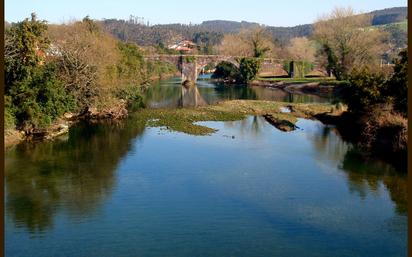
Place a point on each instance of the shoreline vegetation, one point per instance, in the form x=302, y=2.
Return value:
x=56, y=75
x=390, y=147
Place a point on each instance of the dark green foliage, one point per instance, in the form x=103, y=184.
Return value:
x=132, y=94
x=34, y=95
x=333, y=65
x=39, y=99
x=131, y=64
x=248, y=68
x=131, y=74
x=226, y=70
x=9, y=119
x=24, y=43
x=398, y=83
x=364, y=90
x=367, y=89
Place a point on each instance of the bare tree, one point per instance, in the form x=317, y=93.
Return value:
x=254, y=42
x=259, y=40
x=301, y=49
x=234, y=45
x=348, y=41
x=85, y=56
x=302, y=52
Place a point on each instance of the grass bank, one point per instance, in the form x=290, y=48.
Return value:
x=320, y=80
x=184, y=119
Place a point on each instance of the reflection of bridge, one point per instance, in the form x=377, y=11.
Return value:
x=191, y=65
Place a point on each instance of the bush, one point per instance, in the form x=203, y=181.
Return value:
x=365, y=89
x=226, y=70
x=132, y=95
x=39, y=99
x=9, y=118
x=249, y=68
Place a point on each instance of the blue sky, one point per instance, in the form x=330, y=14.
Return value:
x=275, y=13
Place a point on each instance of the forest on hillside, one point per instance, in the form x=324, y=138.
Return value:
x=210, y=33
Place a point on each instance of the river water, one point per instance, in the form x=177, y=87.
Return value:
x=124, y=189
x=169, y=94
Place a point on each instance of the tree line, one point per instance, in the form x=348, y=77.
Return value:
x=54, y=69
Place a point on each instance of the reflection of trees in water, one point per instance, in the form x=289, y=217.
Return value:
x=72, y=176
x=249, y=126
x=274, y=94
x=163, y=96
x=363, y=174
x=230, y=92
x=168, y=94
x=366, y=174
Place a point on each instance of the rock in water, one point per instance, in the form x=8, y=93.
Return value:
x=283, y=125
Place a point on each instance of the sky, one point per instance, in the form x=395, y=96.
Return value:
x=273, y=13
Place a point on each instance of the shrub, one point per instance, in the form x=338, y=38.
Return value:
x=9, y=118
x=132, y=94
x=40, y=99
x=249, y=68
x=365, y=89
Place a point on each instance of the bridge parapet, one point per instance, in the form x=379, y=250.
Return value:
x=191, y=65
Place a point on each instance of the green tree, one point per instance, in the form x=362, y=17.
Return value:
x=35, y=97
x=248, y=68
x=25, y=44
x=365, y=90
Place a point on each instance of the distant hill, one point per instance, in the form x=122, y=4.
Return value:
x=211, y=32
x=390, y=15
x=223, y=26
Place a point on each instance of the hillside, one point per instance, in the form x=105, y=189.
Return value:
x=211, y=32
x=389, y=15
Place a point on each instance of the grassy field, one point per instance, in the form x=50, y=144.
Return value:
x=403, y=25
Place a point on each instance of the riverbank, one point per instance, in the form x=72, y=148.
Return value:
x=116, y=111
x=387, y=141
x=182, y=119
x=380, y=132
x=113, y=109
x=319, y=86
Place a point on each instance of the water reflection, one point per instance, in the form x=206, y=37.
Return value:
x=72, y=176
x=191, y=97
x=364, y=174
x=170, y=94
x=120, y=189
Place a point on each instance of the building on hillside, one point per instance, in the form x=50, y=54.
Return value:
x=185, y=46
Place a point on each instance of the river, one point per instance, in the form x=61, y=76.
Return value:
x=125, y=189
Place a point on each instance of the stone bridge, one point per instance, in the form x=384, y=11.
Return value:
x=191, y=65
